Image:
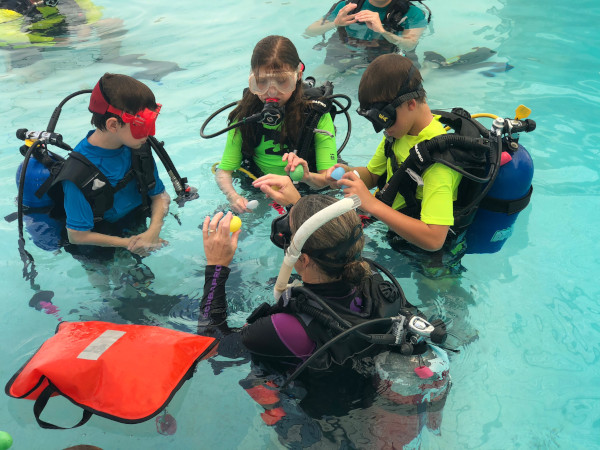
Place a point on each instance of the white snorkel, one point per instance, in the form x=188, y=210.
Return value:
x=306, y=229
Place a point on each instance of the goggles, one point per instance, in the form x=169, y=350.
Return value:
x=281, y=233
x=142, y=123
x=284, y=82
x=382, y=115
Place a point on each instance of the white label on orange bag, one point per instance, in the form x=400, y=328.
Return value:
x=100, y=345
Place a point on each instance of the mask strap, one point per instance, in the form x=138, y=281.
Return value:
x=339, y=257
x=403, y=95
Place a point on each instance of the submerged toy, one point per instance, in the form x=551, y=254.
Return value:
x=6, y=440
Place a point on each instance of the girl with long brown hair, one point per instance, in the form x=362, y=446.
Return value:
x=275, y=79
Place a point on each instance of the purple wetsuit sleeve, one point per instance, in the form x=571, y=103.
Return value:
x=279, y=336
x=213, y=307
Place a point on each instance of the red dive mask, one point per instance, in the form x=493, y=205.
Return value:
x=142, y=123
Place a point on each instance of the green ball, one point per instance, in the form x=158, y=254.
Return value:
x=6, y=440
x=297, y=174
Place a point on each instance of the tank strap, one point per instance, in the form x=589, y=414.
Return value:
x=506, y=206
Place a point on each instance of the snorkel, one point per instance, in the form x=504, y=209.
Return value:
x=304, y=232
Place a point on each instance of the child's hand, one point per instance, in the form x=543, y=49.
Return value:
x=239, y=204
x=145, y=243
x=279, y=188
x=294, y=161
x=352, y=184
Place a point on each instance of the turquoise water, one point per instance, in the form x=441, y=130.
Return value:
x=530, y=379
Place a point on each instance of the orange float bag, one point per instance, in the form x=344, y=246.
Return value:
x=126, y=373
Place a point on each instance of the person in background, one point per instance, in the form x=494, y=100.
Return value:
x=365, y=29
x=275, y=83
x=31, y=29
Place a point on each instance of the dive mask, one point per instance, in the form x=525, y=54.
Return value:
x=281, y=233
x=142, y=123
x=382, y=115
x=284, y=82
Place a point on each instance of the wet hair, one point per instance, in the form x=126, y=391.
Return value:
x=125, y=93
x=274, y=54
x=344, y=233
x=385, y=77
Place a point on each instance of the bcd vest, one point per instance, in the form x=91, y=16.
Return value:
x=466, y=150
x=126, y=373
x=318, y=105
x=93, y=183
x=380, y=299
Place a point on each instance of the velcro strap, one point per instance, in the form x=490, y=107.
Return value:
x=506, y=206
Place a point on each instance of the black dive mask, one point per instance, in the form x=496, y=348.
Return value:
x=383, y=114
x=281, y=233
x=272, y=113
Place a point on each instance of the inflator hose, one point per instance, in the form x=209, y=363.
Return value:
x=340, y=336
x=453, y=141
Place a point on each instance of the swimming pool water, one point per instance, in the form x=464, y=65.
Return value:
x=530, y=379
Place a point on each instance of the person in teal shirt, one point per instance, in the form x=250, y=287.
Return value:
x=276, y=79
x=369, y=28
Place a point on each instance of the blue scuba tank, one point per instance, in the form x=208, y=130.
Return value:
x=494, y=221
x=45, y=231
x=36, y=174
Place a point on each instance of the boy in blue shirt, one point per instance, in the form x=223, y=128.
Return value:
x=124, y=187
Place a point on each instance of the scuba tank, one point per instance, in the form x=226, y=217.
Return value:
x=45, y=231
x=509, y=194
x=35, y=176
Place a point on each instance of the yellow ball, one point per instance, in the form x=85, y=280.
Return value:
x=235, y=224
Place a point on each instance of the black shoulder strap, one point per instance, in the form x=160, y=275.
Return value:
x=464, y=151
x=305, y=145
x=90, y=180
x=142, y=167
x=42, y=401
